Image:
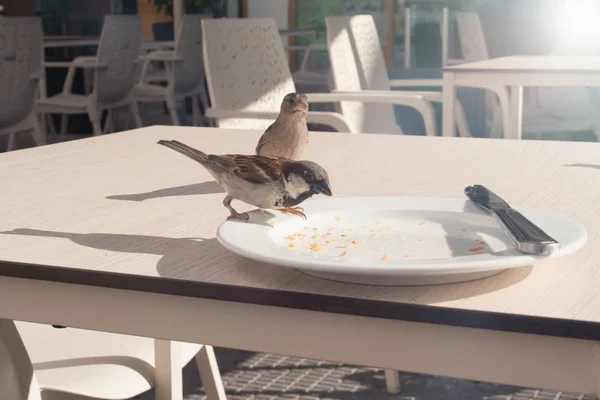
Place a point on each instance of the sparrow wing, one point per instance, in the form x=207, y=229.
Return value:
x=255, y=169
x=263, y=139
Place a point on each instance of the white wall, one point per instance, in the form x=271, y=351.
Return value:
x=277, y=9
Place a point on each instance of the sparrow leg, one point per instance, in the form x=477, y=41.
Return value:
x=234, y=214
x=294, y=211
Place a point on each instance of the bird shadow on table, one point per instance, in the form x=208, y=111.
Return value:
x=208, y=187
x=205, y=259
x=580, y=165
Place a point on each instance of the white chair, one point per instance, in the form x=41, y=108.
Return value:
x=184, y=72
x=115, y=67
x=359, y=67
x=248, y=76
x=20, y=68
x=40, y=362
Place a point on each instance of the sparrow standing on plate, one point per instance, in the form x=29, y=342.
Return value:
x=288, y=135
x=266, y=182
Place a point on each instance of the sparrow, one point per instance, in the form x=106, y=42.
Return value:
x=277, y=183
x=288, y=135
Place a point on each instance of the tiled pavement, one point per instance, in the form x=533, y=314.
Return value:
x=258, y=376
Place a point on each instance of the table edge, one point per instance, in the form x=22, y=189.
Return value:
x=431, y=314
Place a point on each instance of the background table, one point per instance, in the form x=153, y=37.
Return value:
x=516, y=72
x=117, y=233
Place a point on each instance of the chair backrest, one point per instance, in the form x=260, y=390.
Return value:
x=357, y=63
x=382, y=23
x=471, y=36
x=17, y=379
x=20, y=58
x=246, y=68
x=189, y=73
x=119, y=49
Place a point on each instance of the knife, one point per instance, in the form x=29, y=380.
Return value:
x=527, y=236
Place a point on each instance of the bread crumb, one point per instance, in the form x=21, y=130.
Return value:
x=386, y=239
x=420, y=241
x=357, y=242
x=314, y=236
x=290, y=237
x=384, y=258
x=291, y=245
x=338, y=218
x=407, y=256
x=315, y=229
x=331, y=228
x=315, y=247
x=342, y=254
x=378, y=222
x=476, y=250
x=344, y=235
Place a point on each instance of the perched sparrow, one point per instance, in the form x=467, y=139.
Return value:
x=288, y=135
x=265, y=182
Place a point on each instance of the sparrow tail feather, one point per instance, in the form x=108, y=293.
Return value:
x=184, y=149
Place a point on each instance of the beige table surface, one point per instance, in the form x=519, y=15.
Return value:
x=120, y=203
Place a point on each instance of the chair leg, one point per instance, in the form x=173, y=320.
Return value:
x=172, y=106
x=167, y=370
x=392, y=381
x=135, y=110
x=209, y=373
x=461, y=121
x=97, y=128
x=109, y=123
x=195, y=111
x=11, y=141
x=64, y=122
x=39, y=133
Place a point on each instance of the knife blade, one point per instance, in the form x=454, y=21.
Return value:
x=528, y=237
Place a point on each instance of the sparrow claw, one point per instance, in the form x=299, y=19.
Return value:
x=299, y=211
x=239, y=216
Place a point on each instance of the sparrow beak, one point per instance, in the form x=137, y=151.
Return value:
x=302, y=105
x=321, y=187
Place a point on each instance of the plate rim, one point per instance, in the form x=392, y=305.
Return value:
x=431, y=267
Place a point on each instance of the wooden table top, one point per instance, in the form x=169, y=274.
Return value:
x=580, y=64
x=121, y=204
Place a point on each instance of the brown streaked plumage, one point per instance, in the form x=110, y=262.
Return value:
x=288, y=135
x=265, y=182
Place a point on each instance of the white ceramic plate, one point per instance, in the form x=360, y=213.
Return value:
x=391, y=240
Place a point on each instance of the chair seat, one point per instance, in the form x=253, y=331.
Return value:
x=63, y=104
x=149, y=92
x=93, y=364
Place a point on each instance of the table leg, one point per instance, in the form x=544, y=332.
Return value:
x=514, y=131
x=167, y=370
x=392, y=381
x=449, y=97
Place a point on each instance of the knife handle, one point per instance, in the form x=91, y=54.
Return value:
x=529, y=237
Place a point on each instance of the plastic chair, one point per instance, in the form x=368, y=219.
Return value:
x=248, y=76
x=115, y=69
x=184, y=72
x=20, y=68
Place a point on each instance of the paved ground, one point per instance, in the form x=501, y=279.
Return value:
x=258, y=376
